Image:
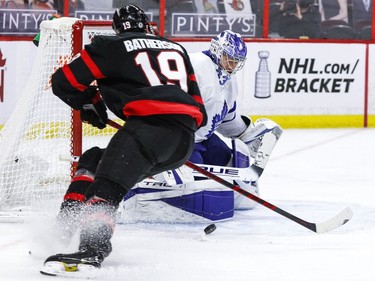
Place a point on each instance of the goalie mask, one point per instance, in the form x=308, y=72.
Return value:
x=131, y=18
x=228, y=51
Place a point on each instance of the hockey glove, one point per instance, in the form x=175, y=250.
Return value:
x=261, y=137
x=95, y=113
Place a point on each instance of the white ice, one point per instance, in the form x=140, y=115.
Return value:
x=312, y=174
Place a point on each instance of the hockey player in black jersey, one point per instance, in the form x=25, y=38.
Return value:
x=149, y=82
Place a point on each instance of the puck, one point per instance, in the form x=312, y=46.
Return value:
x=209, y=229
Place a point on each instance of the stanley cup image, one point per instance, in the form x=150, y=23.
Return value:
x=263, y=77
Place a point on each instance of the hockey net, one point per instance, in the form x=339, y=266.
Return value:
x=42, y=130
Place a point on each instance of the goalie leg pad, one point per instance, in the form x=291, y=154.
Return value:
x=212, y=205
x=151, y=201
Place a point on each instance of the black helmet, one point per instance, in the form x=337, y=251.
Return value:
x=130, y=18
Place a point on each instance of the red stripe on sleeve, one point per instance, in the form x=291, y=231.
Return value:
x=71, y=78
x=198, y=99
x=91, y=65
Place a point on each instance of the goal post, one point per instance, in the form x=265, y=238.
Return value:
x=42, y=128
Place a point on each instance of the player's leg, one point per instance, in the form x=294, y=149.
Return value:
x=69, y=215
x=138, y=150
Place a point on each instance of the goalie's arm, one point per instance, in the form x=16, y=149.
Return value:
x=233, y=125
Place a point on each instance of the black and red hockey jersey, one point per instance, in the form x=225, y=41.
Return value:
x=138, y=75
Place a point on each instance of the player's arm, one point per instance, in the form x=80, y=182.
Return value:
x=87, y=99
x=72, y=83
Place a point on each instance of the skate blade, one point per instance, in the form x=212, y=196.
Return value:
x=55, y=268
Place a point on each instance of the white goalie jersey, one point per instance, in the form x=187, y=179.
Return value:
x=219, y=93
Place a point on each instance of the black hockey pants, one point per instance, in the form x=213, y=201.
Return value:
x=143, y=147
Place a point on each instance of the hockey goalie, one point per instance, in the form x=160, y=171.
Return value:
x=230, y=145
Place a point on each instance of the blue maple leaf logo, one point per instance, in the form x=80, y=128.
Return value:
x=218, y=119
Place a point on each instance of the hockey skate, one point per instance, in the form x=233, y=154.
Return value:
x=94, y=246
x=92, y=251
x=82, y=262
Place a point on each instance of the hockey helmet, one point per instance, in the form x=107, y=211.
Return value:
x=130, y=18
x=228, y=50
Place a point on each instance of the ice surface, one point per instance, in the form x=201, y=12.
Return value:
x=312, y=174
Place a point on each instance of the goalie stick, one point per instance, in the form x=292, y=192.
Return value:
x=230, y=173
x=341, y=218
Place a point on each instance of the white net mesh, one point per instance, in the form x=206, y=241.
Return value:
x=38, y=132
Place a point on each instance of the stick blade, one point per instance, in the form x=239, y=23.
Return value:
x=341, y=218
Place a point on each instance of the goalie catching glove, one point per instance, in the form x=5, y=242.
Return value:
x=260, y=138
x=95, y=113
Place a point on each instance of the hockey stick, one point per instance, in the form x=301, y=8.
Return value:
x=341, y=218
x=225, y=172
x=114, y=124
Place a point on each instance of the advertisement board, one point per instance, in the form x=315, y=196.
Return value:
x=193, y=24
x=16, y=63
x=289, y=78
x=370, y=101
x=323, y=82
x=22, y=21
